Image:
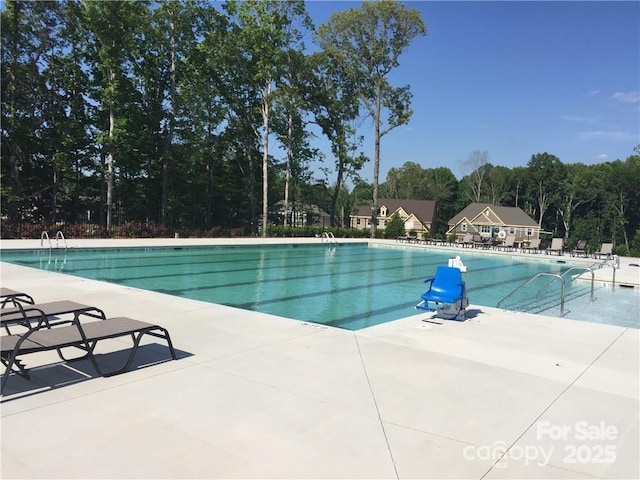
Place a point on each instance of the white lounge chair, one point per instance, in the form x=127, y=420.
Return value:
x=467, y=240
x=508, y=244
x=557, y=246
x=532, y=247
x=580, y=249
x=606, y=250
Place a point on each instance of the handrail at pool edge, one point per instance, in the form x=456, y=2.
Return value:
x=541, y=274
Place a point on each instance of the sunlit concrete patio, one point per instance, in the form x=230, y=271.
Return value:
x=502, y=395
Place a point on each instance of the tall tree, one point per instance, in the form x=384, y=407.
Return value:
x=368, y=42
x=497, y=184
x=408, y=182
x=230, y=107
x=290, y=101
x=574, y=192
x=621, y=199
x=332, y=97
x=546, y=173
x=265, y=36
x=115, y=26
x=31, y=106
x=443, y=189
x=476, y=167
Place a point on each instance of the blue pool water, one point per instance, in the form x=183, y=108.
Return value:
x=348, y=286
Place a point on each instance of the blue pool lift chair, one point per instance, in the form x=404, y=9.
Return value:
x=447, y=295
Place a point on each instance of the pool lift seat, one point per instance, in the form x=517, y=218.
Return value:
x=447, y=294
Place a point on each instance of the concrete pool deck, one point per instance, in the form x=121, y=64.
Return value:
x=258, y=396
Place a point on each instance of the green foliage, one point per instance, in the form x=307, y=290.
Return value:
x=367, y=42
x=186, y=84
x=635, y=244
x=394, y=227
x=622, y=250
x=313, y=231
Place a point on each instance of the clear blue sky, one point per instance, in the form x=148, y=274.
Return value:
x=513, y=79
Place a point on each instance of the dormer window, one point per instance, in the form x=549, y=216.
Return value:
x=383, y=211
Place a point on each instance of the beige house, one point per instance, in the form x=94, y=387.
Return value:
x=493, y=221
x=418, y=215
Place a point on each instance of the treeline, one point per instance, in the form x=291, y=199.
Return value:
x=597, y=203
x=171, y=111
x=196, y=117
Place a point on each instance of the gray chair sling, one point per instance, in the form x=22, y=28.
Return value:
x=45, y=334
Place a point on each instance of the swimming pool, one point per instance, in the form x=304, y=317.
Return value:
x=350, y=286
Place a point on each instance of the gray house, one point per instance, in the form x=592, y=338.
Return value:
x=418, y=215
x=491, y=221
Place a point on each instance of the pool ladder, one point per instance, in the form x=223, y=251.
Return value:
x=329, y=237
x=556, y=277
x=59, y=237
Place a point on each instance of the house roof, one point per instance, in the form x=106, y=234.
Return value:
x=305, y=207
x=424, y=210
x=486, y=213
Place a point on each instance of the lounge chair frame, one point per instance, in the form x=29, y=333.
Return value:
x=606, y=250
x=580, y=250
x=532, y=247
x=481, y=242
x=13, y=297
x=26, y=314
x=508, y=244
x=557, y=246
x=466, y=241
x=45, y=335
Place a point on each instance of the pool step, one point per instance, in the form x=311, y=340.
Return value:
x=550, y=301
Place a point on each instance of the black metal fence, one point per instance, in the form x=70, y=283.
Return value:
x=25, y=230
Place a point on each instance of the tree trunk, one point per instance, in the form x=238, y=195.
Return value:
x=542, y=204
x=265, y=158
x=171, y=120
x=15, y=152
x=54, y=194
x=112, y=122
x=336, y=191
x=287, y=177
x=253, y=203
x=376, y=161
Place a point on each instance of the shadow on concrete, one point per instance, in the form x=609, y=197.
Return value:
x=61, y=374
x=435, y=319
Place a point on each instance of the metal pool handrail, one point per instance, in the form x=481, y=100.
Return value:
x=588, y=269
x=329, y=236
x=541, y=274
x=44, y=235
x=613, y=262
x=59, y=236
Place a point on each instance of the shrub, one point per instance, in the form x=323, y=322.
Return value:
x=622, y=250
x=635, y=245
x=395, y=227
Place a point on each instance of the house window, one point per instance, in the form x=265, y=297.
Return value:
x=358, y=222
x=512, y=230
x=529, y=232
x=463, y=227
x=485, y=229
x=383, y=212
